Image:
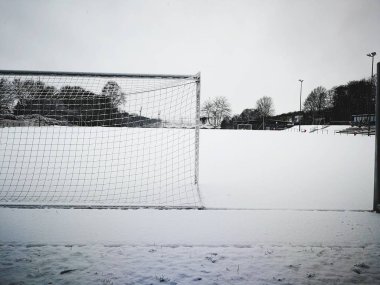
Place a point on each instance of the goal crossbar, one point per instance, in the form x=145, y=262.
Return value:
x=97, y=74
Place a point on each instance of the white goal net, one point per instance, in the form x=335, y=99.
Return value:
x=91, y=139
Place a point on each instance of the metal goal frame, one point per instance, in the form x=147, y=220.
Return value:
x=196, y=78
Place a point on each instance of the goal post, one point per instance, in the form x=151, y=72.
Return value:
x=75, y=139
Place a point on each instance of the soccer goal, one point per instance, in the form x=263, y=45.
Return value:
x=99, y=140
x=244, y=126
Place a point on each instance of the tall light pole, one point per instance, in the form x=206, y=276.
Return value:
x=372, y=55
x=299, y=118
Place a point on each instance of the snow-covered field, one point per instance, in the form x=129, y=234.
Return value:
x=280, y=188
x=286, y=170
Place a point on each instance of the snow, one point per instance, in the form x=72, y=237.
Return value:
x=189, y=246
x=324, y=129
x=120, y=264
x=187, y=227
x=283, y=208
x=286, y=170
x=260, y=169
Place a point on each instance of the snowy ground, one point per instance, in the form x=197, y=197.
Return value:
x=259, y=264
x=286, y=170
x=281, y=171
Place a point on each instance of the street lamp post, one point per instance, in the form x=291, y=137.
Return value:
x=372, y=55
x=299, y=118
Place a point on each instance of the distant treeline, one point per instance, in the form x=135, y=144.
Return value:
x=72, y=105
x=321, y=106
x=338, y=104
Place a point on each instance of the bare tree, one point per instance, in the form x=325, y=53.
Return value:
x=113, y=90
x=222, y=109
x=207, y=110
x=6, y=96
x=264, y=108
x=318, y=100
x=24, y=90
x=216, y=110
x=19, y=92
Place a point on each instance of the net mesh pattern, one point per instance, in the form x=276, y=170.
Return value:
x=77, y=140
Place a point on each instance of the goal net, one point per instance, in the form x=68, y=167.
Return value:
x=244, y=126
x=106, y=140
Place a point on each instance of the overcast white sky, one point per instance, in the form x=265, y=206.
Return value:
x=244, y=49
